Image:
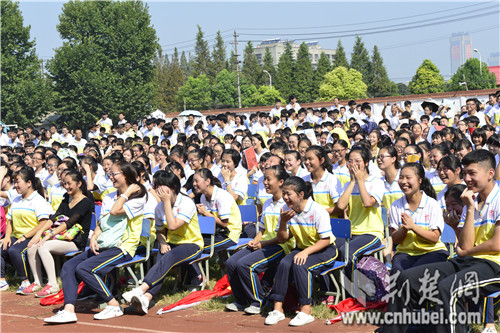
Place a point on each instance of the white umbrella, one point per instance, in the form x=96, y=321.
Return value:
x=158, y=114
x=186, y=113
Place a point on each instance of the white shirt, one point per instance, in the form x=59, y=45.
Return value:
x=479, y=115
x=428, y=213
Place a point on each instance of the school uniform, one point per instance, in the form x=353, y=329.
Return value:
x=367, y=227
x=56, y=194
x=262, y=195
x=302, y=172
x=243, y=267
x=327, y=190
x=342, y=173
x=24, y=214
x=459, y=280
x=239, y=184
x=392, y=192
x=103, y=185
x=307, y=228
x=414, y=250
x=435, y=180
x=186, y=242
x=91, y=268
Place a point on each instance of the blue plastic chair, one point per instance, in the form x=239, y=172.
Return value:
x=341, y=228
x=248, y=214
x=252, y=194
x=449, y=238
x=139, y=258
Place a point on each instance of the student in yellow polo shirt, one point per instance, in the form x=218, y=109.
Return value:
x=475, y=272
x=363, y=198
x=326, y=186
x=416, y=221
x=26, y=221
x=309, y=224
x=126, y=204
x=262, y=253
x=179, y=237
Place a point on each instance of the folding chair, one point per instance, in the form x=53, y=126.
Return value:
x=139, y=258
x=341, y=228
x=449, y=238
x=252, y=194
x=378, y=252
x=248, y=214
x=207, y=227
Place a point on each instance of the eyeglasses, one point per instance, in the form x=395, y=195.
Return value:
x=338, y=151
x=52, y=165
x=114, y=174
x=445, y=169
x=381, y=157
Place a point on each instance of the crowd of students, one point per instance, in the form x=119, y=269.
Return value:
x=431, y=171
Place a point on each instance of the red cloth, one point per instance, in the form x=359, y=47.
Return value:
x=58, y=298
x=221, y=288
x=352, y=305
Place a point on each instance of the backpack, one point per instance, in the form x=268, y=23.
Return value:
x=113, y=228
x=376, y=272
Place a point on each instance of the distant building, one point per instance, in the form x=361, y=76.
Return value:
x=277, y=47
x=460, y=49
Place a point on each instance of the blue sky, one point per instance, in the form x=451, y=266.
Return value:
x=403, y=50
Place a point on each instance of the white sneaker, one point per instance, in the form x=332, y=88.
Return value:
x=109, y=312
x=25, y=284
x=274, y=317
x=61, y=317
x=489, y=330
x=129, y=294
x=252, y=309
x=301, y=319
x=235, y=306
x=140, y=304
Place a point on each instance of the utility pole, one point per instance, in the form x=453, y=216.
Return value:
x=237, y=68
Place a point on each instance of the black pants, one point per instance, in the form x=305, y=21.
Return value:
x=16, y=254
x=455, y=282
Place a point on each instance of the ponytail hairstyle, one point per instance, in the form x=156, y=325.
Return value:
x=279, y=172
x=425, y=185
x=175, y=166
x=321, y=154
x=141, y=170
x=451, y=162
x=77, y=176
x=42, y=155
x=418, y=151
x=392, y=152
x=207, y=174
x=144, y=159
x=295, y=154
x=299, y=185
x=259, y=137
x=28, y=175
x=365, y=155
x=130, y=174
x=92, y=162
x=443, y=149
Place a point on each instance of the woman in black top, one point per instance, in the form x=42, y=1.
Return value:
x=77, y=207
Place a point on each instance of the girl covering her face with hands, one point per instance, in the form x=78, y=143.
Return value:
x=236, y=183
x=178, y=234
x=263, y=252
x=416, y=221
x=362, y=196
x=309, y=224
x=91, y=266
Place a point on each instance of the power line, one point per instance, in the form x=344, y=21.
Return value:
x=397, y=29
x=191, y=40
x=374, y=28
x=377, y=21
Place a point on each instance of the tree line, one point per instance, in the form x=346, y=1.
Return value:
x=111, y=61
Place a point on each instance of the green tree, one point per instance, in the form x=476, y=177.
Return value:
x=26, y=96
x=106, y=61
x=268, y=65
x=201, y=61
x=360, y=59
x=265, y=96
x=304, y=75
x=475, y=74
x=403, y=89
x=285, y=72
x=231, y=62
x=196, y=93
x=225, y=90
x=251, y=69
x=175, y=80
x=161, y=81
x=319, y=74
x=340, y=58
x=379, y=83
x=342, y=83
x=218, y=56
x=427, y=79
x=186, y=69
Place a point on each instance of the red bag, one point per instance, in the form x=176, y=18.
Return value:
x=59, y=297
x=3, y=222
